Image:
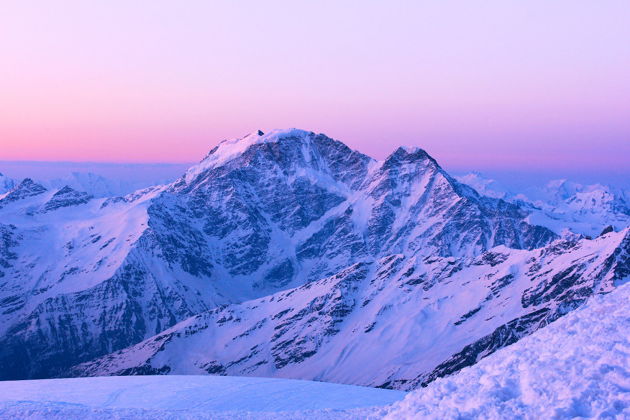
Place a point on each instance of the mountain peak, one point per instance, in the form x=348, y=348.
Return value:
x=65, y=197
x=29, y=186
x=26, y=188
x=66, y=189
x=411, y=153
x=410, y=149
x=407, y=155
x=230, y=149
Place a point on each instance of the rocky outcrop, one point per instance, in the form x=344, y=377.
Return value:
x=25, y=189
x=66, y=197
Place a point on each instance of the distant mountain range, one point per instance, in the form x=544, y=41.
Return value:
x=96, y=185
x=288, y=254
x=562, y=204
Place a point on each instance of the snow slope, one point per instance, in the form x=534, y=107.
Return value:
x=186, y=396
x=400, y=322
x=578, y=366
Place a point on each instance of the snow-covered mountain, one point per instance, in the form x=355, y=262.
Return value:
x=93, y=184
x=485, y=186
x=424, y=317
x=354, y=249
x=562, y=204
x=96, y=185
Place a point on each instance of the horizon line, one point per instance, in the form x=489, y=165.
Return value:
x=455, y=166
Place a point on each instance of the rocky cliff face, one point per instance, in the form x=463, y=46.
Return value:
x=284, y=211
x=294, y=205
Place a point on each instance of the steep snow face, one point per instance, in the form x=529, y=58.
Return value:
x=252, y=216
x=561, y=204
x=231, y=149
x=575, y=367
x=400, y=322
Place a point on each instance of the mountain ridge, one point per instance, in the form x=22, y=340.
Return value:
x=289, y=209
x=473, y=309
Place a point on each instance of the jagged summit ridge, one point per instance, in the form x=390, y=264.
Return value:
x=66, y=197
x=230, y=149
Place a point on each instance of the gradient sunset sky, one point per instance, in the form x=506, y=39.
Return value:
x=494, y=84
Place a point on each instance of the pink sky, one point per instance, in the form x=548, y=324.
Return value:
x=501, y=84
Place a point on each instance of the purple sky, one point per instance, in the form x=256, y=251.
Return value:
x=495, y=85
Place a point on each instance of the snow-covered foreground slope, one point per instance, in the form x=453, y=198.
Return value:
x=577, y=367
x=187, y=397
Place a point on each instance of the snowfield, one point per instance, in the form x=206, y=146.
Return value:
x=185, y=397
x=578, y=366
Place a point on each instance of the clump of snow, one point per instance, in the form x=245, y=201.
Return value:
x=578, y=366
